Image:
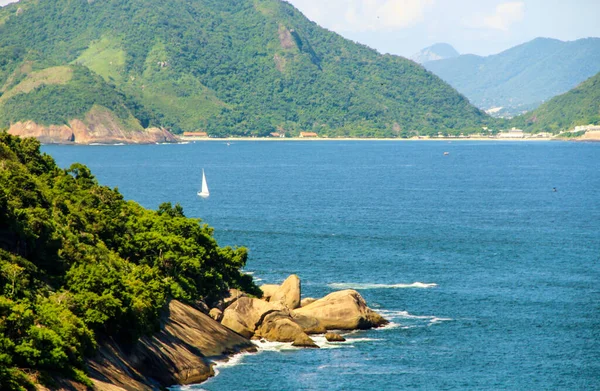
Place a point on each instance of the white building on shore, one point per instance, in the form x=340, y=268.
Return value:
x=512, y=133
x=586, y=128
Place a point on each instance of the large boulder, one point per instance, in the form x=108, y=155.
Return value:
x=309, y=324
x=334, y=337
x=343, y=310
x=279, y=326
x=246, y=314
x=288, y=293
x=304, y=341
x=268, y=291
x=306, y=301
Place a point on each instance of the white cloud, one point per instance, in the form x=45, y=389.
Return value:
x=365, y=15
x=5, y=2
x=504, y=16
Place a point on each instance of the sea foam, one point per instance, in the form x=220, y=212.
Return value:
x=346, y=285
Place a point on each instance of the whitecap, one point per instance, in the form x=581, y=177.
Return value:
x=231, y=361
x=346, y=285
x=267, y=346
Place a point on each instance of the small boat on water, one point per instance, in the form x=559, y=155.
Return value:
x=204, y=193
x=446, y=153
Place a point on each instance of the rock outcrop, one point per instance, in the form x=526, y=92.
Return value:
x=99, y=126
x=343, y=310
x=288, y=293
x=334, y=337
x=180, y=353
x=279, y=317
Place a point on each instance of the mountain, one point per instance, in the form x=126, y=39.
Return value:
x=523, y=77
x=439, y=51
x=580, y=106
x=246, y=67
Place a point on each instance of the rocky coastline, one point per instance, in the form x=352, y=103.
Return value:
x=192, y=338
x=90, y=132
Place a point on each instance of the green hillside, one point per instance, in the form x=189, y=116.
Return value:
x=244, y=67
x=78, y=264
x=523, y=77
x=580, y=106
x=56, y=95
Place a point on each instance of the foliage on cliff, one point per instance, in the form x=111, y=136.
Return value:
x=236, y=67
x=77, y=262
x=580, y=106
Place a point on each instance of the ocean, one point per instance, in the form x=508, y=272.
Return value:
x=489, y=277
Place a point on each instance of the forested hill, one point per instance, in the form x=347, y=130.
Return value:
x=523, y=77
x=580, y=106
x=233, y=67
x=78, y=263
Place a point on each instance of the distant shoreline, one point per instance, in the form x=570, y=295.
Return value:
x=228, y=139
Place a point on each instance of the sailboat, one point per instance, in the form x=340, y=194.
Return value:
x=204, y=193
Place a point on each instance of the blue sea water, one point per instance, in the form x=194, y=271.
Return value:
x=491, y=280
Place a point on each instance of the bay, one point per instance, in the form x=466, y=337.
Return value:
x=489, y=277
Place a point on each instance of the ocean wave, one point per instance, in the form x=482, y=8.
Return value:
x=231, y=361
x=390, y=314
x=267, y=346
x=346, y=285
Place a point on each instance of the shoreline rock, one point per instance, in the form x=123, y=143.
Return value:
x=89, y=132
x=182, y=352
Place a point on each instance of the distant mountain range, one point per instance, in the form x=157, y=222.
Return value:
x=521, y=78
x=247, y=67
x=439, y=51
x=580, y=106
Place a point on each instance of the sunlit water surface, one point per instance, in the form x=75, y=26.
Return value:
x=490, y=278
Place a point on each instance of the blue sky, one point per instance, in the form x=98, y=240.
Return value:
x=471, y=26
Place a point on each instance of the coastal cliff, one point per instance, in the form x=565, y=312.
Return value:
x=188, y=340
x=180, y=353
x=98, y=126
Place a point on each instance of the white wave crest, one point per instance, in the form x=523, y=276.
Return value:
x=231, y=361
x=267, y=346
x=406, y=315
x=346, y=285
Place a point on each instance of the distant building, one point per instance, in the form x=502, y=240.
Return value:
x=308, y=134
x=195, y=134
x=586, y=128
x=512, y=133
x=277, y=134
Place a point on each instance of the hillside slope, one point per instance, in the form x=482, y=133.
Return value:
x=71, y=104
x=522, y=77
x=580, y=106
x=245, y=67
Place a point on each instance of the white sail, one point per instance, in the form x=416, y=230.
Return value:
x=204, y=193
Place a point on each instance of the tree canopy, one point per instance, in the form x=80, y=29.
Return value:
x=78, y=262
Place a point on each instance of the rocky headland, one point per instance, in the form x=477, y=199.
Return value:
x=89, y=132
x=192, y=338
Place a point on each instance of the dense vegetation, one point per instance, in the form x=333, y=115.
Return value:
x=77, y=263
x=61, y=94
x=523, y=77
x=245, y=67
x=580, y=106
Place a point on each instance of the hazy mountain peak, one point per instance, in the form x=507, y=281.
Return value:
x=438, y=51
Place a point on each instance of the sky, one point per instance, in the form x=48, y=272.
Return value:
x=480, y=27
x=472, y=26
